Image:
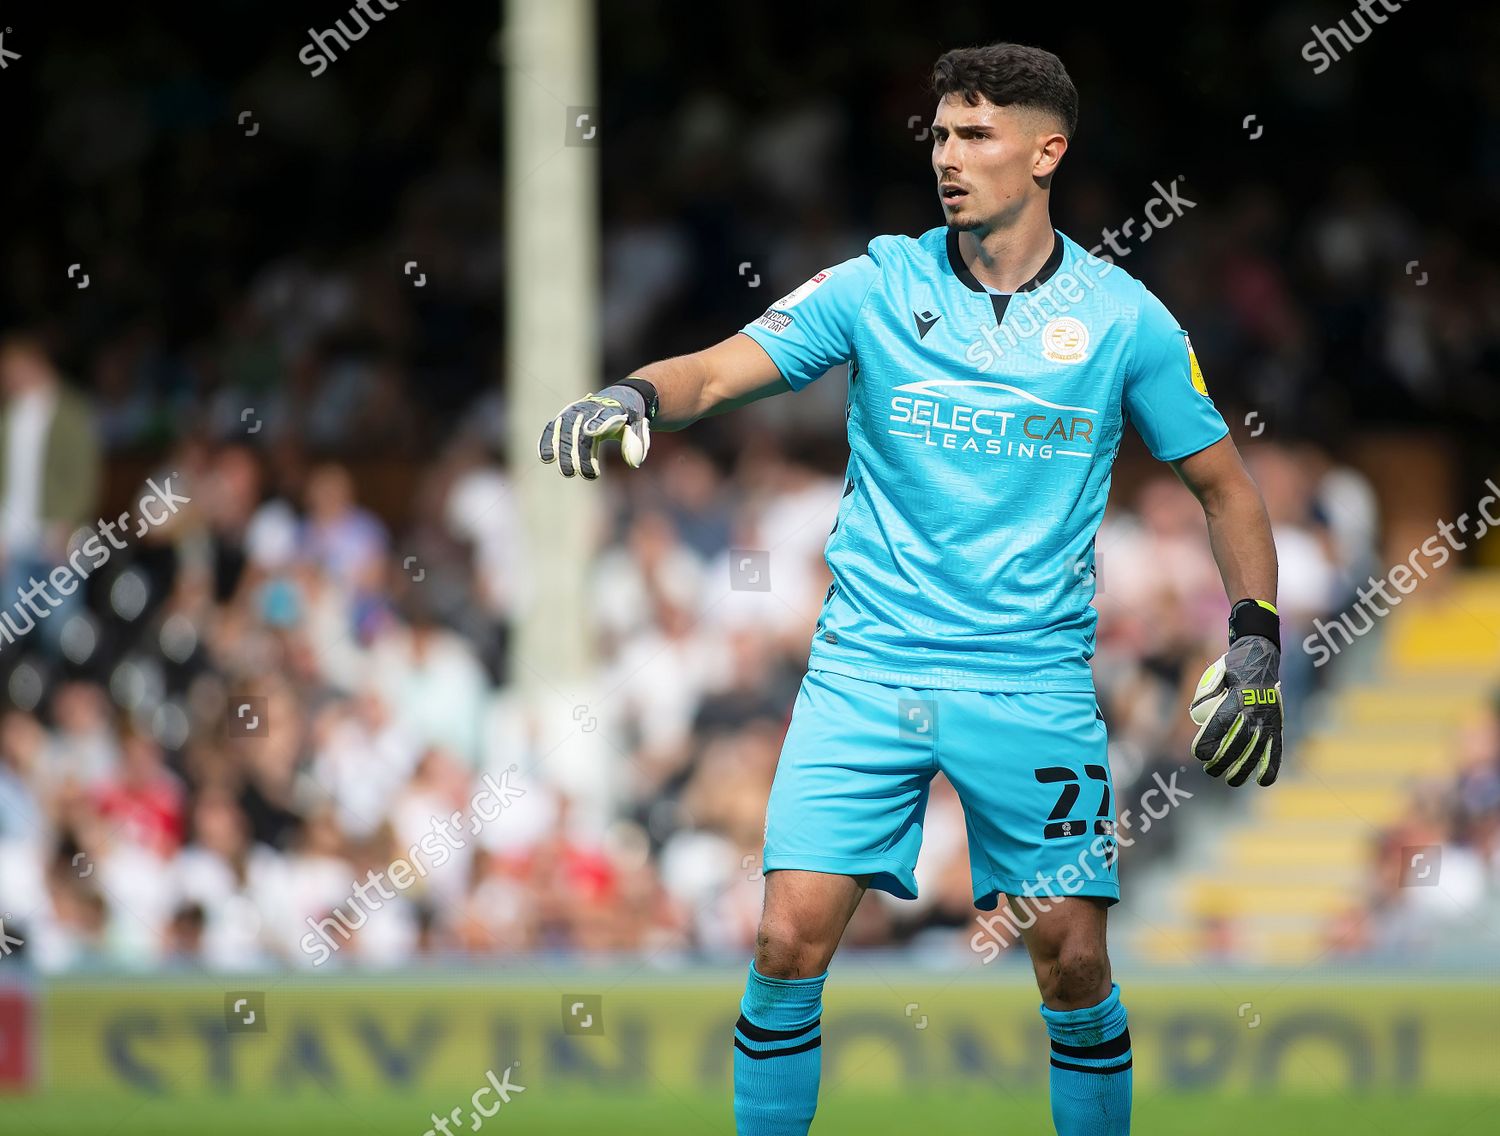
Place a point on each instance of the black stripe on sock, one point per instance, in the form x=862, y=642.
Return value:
x=1117, y=1047
x=755, y=1033
x=761, y=1055
x=1103, y=1069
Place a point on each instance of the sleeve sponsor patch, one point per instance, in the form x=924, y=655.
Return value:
x=775, y=321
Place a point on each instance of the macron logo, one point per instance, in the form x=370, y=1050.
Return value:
x=4, y=55
x=925, y=320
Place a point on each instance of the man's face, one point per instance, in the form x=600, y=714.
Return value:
x=986, y=158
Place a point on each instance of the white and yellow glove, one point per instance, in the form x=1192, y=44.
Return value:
x=620, y=413
x=1237, y=705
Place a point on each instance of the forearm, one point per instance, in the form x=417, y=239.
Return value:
x=731, y=373
x=666, y=395
x=1237, y=704
x=1239, y=533
x=682, y=384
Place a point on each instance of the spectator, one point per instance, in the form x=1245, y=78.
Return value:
x=49, y=473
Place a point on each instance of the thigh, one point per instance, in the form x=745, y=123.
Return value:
x=851, y=787
x=1032, y=771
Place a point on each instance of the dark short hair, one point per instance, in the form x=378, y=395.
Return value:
x=1009, y=74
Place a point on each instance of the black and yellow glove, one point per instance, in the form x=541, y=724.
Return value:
x=1237, y=705
x=620, y=413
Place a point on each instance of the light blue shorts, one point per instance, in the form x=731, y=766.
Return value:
x=1031, y=771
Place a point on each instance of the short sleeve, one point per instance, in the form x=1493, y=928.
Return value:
x=1165, y=395
x=811, y=328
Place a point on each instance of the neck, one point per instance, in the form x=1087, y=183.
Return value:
x=1006, y=258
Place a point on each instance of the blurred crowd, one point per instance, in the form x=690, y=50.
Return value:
x=250, y=707
x=1434, y=875
x=247, y=709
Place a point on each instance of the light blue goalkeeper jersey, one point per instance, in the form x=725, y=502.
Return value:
x=982, y=432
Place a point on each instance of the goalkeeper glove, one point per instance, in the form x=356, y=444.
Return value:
x=621, y=413
x=1237, y=705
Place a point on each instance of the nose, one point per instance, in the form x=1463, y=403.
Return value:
x=944, y=156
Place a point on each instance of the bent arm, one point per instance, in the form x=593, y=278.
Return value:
x=730, y=374
x=1239, y=529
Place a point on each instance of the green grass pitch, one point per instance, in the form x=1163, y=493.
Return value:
x=841, y=1114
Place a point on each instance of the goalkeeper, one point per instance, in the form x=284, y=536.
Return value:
x=993, y=364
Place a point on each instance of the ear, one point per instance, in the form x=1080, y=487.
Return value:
x=1050, y=149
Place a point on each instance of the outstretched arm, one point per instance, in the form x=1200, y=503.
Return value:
x=727, y=375
x=669, y=395
x=783, y=350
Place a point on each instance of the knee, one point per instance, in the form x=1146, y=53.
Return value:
x=1077, y=976
x=785, y=950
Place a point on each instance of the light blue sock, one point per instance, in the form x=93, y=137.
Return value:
x=778, y=1055
x=1091, y=1079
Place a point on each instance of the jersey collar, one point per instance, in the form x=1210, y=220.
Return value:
x=1045, y=273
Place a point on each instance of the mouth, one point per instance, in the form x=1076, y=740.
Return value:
x=952, y=194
